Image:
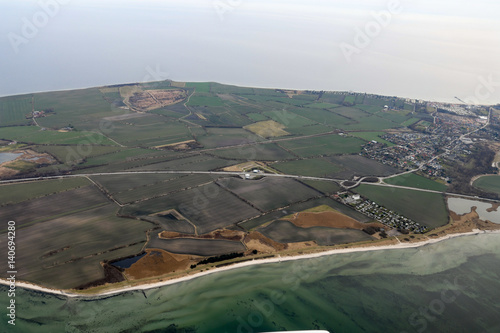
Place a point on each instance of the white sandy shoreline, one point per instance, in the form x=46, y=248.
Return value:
x=146, y=286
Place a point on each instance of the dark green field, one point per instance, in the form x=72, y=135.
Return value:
x=360, y=166
x=324, y=145
x=14, y=193
x=428, y=209
x=412, y=180
x=318, y=167
x=488, y=184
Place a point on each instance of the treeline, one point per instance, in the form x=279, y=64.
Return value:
x=223, y=257
x=477, y=163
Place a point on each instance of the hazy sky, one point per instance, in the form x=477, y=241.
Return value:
x=423, y=49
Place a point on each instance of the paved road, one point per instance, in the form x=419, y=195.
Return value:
x=228, y=173
x=223, y=173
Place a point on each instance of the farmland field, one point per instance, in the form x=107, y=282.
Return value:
x=71, y=247
x=287, y=232
x=324, y=145
x=162, y=188
x=322, y=186
x=270, y=193
x=14, y=193
x=69, y=228
x=82, y=108
x=428, y=209
x=201, y=247
x=219, y=137
x=13, y=110
x=209, y=207
x=317, y=167
x=369, y=136
x=33, y=134
x=412, y=180
x=361, y=166
x=49, y=207
x=488, y=184
x=262, y=152
x=267, y=129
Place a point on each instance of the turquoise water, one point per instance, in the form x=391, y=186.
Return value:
x=451, y=286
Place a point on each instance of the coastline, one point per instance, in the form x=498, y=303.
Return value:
x=146, y=286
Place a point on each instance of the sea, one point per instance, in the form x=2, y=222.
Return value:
x=449, y=286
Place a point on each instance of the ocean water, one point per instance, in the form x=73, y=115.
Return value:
x=451, y=286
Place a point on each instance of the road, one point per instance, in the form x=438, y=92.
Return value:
x=442, y=154
x=222, y=173
x=242, y=174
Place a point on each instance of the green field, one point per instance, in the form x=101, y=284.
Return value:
x=488, y=184
x=428, y=209
x=257, y=116
x=83, y=108
x=316, y=167
x=14, y=109
x=260, y=152
x=200, y=87
x=204, y=100
x=412, y=180
x=369, y=136
x=324, y=145
x=36, y=135
x=14, y=193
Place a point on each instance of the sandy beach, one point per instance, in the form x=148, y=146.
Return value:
x=146, y=286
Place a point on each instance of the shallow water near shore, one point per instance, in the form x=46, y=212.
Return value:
x=450, y=286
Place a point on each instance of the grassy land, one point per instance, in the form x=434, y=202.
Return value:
x=324, y=145
x=428, y=209
x=316, y=167
x=204, y=100
x=488, y=184
x=412, y=180
x=267, y=129
x=270, y=193
x=14, y=193
x=33, y=134
x=201, y=87
x=369, y=136
x=256, y=116
x=83, y=108
x=14, y=109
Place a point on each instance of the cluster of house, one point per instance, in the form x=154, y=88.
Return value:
x=382, y=214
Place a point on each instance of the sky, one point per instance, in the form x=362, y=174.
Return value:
x=423, y=49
